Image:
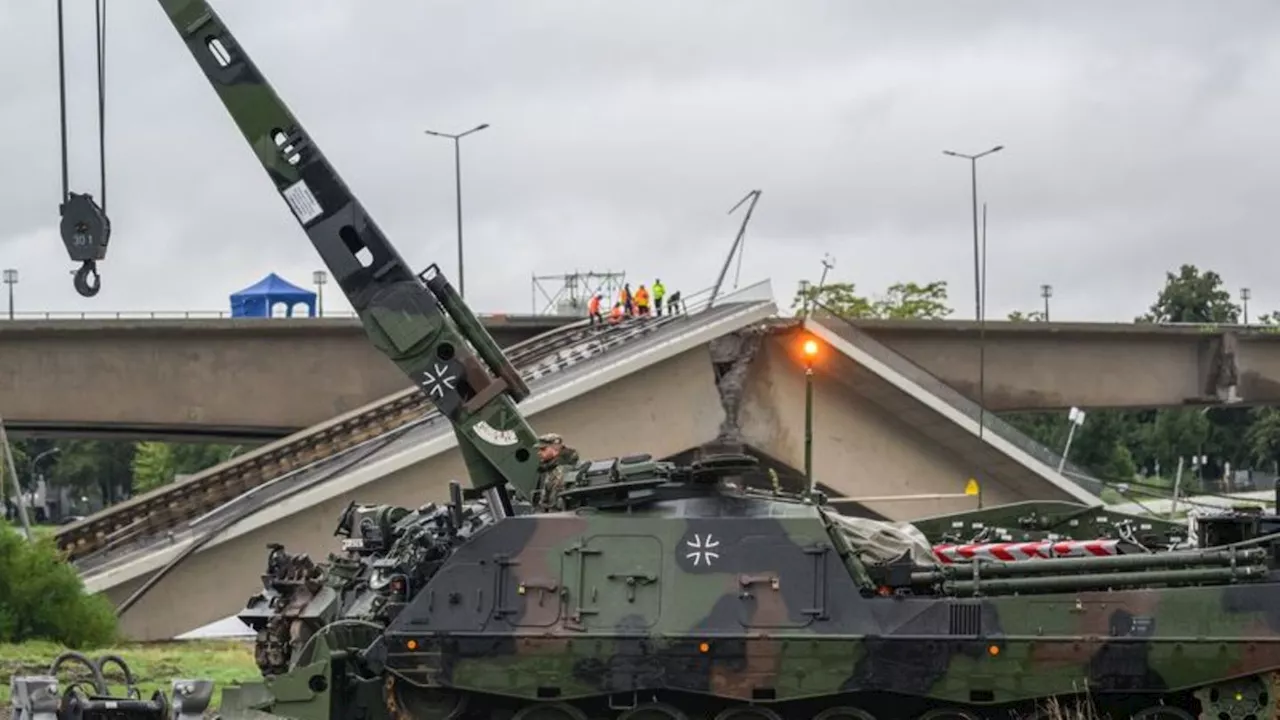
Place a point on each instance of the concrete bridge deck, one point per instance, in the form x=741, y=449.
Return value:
x=183, y=379
x=665, y=394
x=262, y=379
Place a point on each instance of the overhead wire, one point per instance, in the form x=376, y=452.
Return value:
x=85, y=226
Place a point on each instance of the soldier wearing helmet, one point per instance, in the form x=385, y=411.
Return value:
x=553, y=458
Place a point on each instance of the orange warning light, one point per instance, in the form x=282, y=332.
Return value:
x=704, y=647
x=993, y=650
x=810, y=348
x=412, y=644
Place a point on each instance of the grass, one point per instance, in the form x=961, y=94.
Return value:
x=154, y=665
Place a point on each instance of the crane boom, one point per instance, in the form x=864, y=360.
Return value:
x=418, y=321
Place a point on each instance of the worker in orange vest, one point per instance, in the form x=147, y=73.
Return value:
x=642, y=301
x=615, y=315
x=593, y=309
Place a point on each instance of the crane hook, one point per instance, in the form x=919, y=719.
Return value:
x=86, y=230
x=89, y=269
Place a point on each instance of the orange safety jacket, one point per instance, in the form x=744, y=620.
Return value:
x=593, y=306
x=615, y=314
x=642, y=297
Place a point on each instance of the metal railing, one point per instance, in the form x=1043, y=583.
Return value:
x=692, y=303
x=987, y=419
x=548, y=354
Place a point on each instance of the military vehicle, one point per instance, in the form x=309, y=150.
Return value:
x=663, y=591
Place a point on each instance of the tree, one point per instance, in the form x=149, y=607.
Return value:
x=1033, y=316
x=838, y=298
x=157, y=463
x=1193, y=296
x=43, y=598
x=900, y=301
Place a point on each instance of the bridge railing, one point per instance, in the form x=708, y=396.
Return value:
x=988, y=420
x=692, y=303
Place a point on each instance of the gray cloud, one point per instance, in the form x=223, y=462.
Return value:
x=1138, y=137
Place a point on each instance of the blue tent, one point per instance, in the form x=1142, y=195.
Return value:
x=258, y=299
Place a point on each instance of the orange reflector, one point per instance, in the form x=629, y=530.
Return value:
x=993, y=650
x=704, y=647
x=412, y=644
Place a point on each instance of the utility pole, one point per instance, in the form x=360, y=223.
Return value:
x=13, y=473
x=319, y=277
x=1244, y=299
x=10, y=279
x=457, y=179
x=1046, y=292
x=973, y=171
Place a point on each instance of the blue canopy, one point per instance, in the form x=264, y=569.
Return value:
x=258, y=299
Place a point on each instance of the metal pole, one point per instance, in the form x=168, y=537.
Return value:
x=982, y=334
x=1177, y=487
x=13, y=473
x=457, y=179
x=1067, y=450
x=808, y=426
x=977, y=293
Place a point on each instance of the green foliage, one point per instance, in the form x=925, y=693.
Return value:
x=1033, y=316
x=1193, y=296
x=901, y=301
x=42, y=597
x=157, y=463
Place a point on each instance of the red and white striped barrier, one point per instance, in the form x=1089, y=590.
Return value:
x=1034, y=550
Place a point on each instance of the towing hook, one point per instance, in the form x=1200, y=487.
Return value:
x=87, y=288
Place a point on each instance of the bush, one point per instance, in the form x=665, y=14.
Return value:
x=42, y=597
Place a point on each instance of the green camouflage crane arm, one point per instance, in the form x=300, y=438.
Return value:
x=407, y=317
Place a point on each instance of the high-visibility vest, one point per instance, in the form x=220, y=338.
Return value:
x=615, y=314
x=642, y=297
x=593, y=306
x=659, y=290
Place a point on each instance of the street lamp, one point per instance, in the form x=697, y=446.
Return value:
x=1046, y=292
x=810, y=353
x=973, y=167
x=1244, y=298
x=319, y=277
x=457, y=179
x=10, y=279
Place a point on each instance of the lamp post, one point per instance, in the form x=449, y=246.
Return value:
x=37, y=478
x=319, y=277
x=1046, y=292
x=973, y=167
x=457, y=179
x=10, y=279
x=810, y=352
x=1244, y=299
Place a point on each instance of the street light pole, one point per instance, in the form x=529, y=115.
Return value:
x=973, y=171
x=1046, y=292
x=457, y=179
x=810, y=352
x=10, y=279
x=1244, y=298
x=319, y=277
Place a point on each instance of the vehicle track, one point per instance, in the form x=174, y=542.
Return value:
x=171, y=506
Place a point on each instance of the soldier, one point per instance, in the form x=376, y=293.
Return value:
x=553, y=458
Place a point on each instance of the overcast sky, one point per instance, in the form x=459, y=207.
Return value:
x=1138, y=136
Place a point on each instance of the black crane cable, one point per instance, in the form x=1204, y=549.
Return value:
x=100, y=28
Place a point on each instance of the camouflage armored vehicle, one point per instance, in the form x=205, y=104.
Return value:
x=676, y=592
x=660, y=591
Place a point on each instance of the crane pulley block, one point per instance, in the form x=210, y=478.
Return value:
x=85, y=231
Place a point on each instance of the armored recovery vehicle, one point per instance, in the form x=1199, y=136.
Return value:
x=664, y=591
